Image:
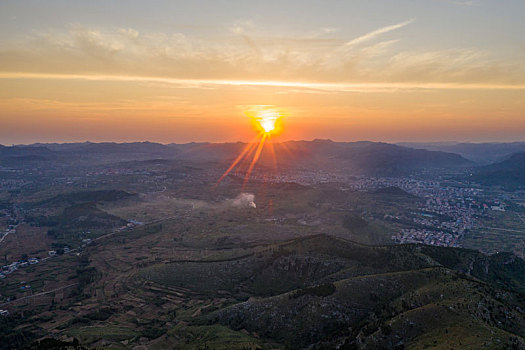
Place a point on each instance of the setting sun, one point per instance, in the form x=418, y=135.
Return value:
x=267, y=121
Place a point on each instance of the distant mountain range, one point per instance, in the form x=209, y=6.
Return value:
x=364, y=158
x=14, y=155
x=482, y=153
x=106, y=148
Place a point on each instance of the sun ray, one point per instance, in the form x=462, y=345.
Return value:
x=243, y=166
x=255, y=159
x=247, y=149
x=272, y=152
x=267, y=121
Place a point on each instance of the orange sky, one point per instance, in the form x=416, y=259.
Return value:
x=78, y=75
x=55, y=110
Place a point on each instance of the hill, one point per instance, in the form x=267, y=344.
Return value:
x=374, y=158
x=509, y=173
x=359, y=158
x=104, y=152
x=317, y=292
x=21, y=156
x=363, y=158
x=323, y=292
x=393, y=191
x=482, y=153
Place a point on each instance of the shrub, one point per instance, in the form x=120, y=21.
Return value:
x=322, y=290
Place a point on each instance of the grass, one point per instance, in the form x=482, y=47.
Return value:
x=213, y=337
x=492, y=241
x=90, y=334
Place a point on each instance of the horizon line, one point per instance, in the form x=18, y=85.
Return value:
x=244, y=142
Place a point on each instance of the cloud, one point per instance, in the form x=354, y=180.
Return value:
x=454, y=65
x=375, y=33
x=292, y=85
x=242, y=26
x=247, y=55
x=129, y=32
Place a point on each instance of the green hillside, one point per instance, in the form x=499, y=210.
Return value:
x=334, y=293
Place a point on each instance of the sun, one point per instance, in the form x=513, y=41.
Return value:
x=267, y=121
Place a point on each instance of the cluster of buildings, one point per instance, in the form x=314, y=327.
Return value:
x=429, y=237
x=13, y=184
x=111, y=172
x=8, y=269
x=13, y=180
x=302, y=177
x=448, y=211
x=64, y=250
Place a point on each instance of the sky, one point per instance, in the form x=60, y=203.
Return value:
x=188, y=71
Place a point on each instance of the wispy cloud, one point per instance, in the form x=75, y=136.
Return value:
x=245, y=52
x=328, y=87
x=375, y=33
